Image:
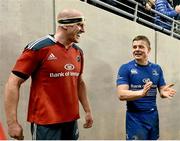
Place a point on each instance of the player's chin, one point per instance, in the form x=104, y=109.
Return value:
x=137, y=57
x=76, y=40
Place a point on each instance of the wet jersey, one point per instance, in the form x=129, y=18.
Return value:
x=136, y=76
x=54, y=88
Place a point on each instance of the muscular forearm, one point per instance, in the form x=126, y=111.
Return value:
x=12, y=97
x=83, y=96
x=85, y=104
x=129, y=95
x=11, y=101
x=125, y=94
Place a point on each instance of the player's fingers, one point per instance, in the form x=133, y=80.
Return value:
x=147, y=86
x=146, y=89
x=149, y=83
x=169, y=96
x=172, y=91
x=88, y=124
x=173, y=94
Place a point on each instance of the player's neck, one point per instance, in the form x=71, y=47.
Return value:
x=142, y=62
x=63, y=41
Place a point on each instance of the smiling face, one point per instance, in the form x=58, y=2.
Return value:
x=71, y=25
x=140, y=51
x=74, y=32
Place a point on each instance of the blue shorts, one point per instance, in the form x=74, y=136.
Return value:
x=142, y=125
x=60, y=131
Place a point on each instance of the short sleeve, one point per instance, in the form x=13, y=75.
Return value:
x=27, y=62
x=161, y=78
x=123, y=75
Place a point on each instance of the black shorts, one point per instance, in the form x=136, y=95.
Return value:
x=61, y=131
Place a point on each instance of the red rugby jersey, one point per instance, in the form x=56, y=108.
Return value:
x=2, y=133
x=54, y=71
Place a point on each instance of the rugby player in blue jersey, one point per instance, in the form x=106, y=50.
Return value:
x=137, y=83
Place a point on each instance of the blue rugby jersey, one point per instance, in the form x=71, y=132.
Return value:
x=136, y=76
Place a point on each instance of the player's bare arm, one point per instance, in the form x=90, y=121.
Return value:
x=11, y=102
x=125, y=94
x=85, y=103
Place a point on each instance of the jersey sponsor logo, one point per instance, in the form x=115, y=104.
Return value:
x=152, y=92
x=134, y=71
x=136, y=87
x=154, y=72
x=52, y=57
x=146, y=80
x=63, y=74
x=69, y=67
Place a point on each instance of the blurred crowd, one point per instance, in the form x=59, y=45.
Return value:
x=169, y=8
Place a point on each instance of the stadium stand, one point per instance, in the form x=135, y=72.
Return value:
x=137, y=11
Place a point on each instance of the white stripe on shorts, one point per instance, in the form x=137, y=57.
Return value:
x=34, y=131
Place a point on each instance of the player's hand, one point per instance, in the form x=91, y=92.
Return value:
x=88, y=120
x=146, y=88
x=168, y=91
x=15, y=131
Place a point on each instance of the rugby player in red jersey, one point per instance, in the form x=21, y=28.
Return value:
x=55, y=65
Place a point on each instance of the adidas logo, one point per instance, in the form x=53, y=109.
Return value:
x=52, y=57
